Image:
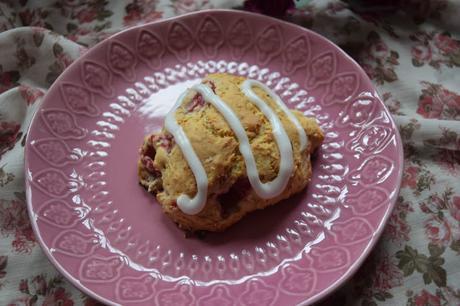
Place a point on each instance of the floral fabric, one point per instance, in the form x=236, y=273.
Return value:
x=411, y=51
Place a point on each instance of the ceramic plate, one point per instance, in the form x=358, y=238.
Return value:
x=110, y=238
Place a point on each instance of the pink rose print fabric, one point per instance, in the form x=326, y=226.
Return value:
x=409, y=49
x=438, y=103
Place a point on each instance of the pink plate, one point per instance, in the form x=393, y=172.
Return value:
x=110, y=238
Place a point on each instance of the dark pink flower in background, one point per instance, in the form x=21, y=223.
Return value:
x=449, y=98
x=152, y=16
x=275, y=8
x=8, y=80
x=15, y=221
x=33, y=17
x=24, y=286
x=425, y=298
x=410, y=177
x=9, y=132
x=39, y=282
x=438, y=231
x=30, y=94
x=133, y=15
x=376, y=58
x=433, y=204
x=455, y=208
x=58, y=297
x=397, y=228
x=450, y=295
x=86, y=15
x=387, y=275
x=448, y=160
x=422, y=53
x=64, y=59
x=379, y=50
x=77, y=34
x=394, y=105
x=429, y=107
x=436, y=102
x=141, y=12
x=434, y=48
x=369, y=70
x=445, y=43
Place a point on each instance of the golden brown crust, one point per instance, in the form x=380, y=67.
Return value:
x=164, y=172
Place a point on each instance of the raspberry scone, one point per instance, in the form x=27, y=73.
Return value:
x=229, y=146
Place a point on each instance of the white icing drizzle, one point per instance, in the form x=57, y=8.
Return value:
x=246, y=87
x=184, y=202
x=267, y=190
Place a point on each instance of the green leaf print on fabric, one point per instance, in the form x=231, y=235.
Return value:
x=410, y=260
x=3, y=264
x=5, y=177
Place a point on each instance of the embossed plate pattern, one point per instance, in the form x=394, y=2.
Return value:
x=109, y=237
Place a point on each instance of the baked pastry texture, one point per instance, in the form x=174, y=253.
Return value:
x=164, y=171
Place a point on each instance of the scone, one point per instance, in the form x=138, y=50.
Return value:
x=229, y=147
